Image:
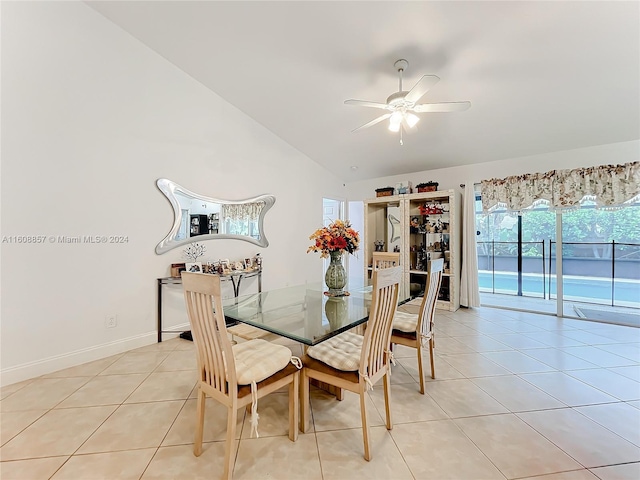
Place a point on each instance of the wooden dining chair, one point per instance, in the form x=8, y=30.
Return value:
x=414, y=330
x=385, y=260
x=237, y=375
x=357, y=362
x=380, y=260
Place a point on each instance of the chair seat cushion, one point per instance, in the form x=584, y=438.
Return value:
x=341, y=352
x=405, y=322
x=313, y=364
x=412, y=306
x=290, y=369
x=258, y=359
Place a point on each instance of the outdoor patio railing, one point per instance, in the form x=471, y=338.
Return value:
x=598, y=271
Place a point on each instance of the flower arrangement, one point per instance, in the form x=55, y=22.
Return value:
x=337, y=237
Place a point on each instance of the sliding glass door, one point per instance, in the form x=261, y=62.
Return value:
x=600, y=261
x=513, y=259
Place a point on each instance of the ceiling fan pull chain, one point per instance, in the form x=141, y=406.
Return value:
x=401, y=142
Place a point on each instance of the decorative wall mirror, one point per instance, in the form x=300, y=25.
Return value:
x=198, y=218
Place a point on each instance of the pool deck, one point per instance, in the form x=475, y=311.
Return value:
x=531, y=304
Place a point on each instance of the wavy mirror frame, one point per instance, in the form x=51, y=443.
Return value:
x=170, y=189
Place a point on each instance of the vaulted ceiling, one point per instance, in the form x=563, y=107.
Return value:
x=540, y=76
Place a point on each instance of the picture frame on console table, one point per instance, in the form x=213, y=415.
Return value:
x=194, y=267
x=177, y=269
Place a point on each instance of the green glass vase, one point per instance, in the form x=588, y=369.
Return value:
x=336, y=276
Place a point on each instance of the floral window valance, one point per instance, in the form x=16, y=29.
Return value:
x=244, y=211
x=608, y=185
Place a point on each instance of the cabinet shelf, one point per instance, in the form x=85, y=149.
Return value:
x=422, y=272
x=430, y=233
x=417, y=272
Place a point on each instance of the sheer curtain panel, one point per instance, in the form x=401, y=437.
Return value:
x=469, y=289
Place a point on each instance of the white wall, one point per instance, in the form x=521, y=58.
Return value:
x=89, y=113
x=448, y=178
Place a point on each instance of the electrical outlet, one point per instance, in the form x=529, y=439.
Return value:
x=111, y=321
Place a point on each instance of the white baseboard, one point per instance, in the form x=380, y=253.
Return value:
x=37, y=368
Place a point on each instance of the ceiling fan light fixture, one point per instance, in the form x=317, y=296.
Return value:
x=411, y=119
x=394, y=127
x=395, y=120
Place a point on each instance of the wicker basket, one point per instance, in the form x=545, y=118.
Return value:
x=384, y=192
x=427, y=188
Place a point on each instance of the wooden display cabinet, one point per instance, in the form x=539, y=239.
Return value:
x=384, y=231
x=429, y=228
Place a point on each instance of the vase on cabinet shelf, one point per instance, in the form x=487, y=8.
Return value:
x=336, y=276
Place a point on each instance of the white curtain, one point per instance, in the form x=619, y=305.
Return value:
x=469, y=289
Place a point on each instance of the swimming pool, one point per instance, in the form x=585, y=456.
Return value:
x=589, y=289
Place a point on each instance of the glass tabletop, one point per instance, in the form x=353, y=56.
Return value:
x=303, y=312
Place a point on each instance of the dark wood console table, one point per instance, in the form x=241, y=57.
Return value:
x=235, y=278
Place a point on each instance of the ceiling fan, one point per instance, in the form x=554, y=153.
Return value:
x=402, y=104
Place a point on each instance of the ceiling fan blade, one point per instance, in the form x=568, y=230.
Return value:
x=422, y=87
x=373, y=122
x=442, y=107
x=363, y=103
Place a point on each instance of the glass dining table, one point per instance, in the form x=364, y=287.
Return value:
x=303, y=313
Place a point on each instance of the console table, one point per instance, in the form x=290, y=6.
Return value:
x=235, y=277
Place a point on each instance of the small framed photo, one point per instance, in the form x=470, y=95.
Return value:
x=209, y=267
x=194, y=267
x=248, y=264
x=177, y=268
x=225, y=264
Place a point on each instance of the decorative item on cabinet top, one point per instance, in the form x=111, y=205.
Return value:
x=403, y=188
x=384, y=192
x=226, y=219
x=427, y=187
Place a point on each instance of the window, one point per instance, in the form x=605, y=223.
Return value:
x=242, y=219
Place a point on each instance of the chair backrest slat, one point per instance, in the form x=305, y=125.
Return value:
x=385, y=260
x=208, y=327
x=377, y=336
x=428, y=306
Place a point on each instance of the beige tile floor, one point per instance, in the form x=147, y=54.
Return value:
x=517, y=395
